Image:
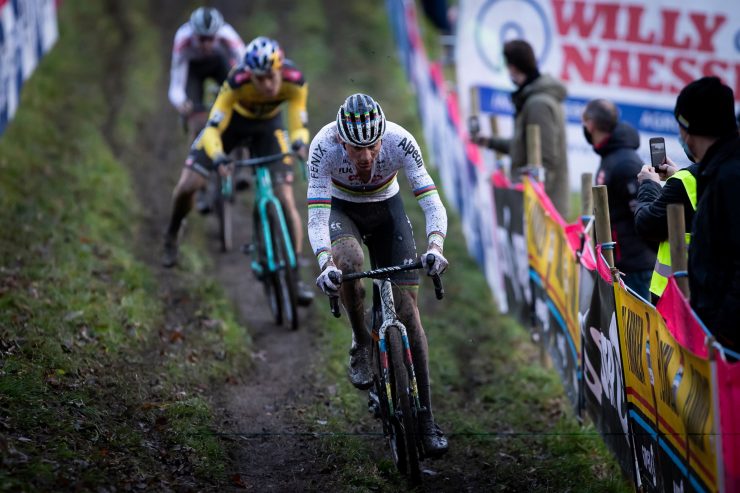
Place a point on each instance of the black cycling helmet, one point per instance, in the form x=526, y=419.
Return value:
x=206, y=21
x=360, y=121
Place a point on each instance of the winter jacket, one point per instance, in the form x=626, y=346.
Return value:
x=714, y=253
x=618, y=170
x=540, y=102
x=651, y=214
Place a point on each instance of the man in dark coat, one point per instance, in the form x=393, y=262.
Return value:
x=708, y=133
x=616, y=142
x=538, y=100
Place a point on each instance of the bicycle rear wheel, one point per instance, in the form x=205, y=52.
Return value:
x=285, y=282
x=223, y=206
x=406, y=421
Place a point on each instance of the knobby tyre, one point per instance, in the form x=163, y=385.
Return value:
x=402, y=403
x=269, y=279
x=285, y=277
x=392, y=429
x=223, y=206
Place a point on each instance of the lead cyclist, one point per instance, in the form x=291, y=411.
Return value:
x=353, y=192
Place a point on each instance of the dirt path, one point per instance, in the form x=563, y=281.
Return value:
x=260, y=411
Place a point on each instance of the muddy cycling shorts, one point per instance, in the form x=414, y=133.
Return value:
x=260, y=137
x=385, y=229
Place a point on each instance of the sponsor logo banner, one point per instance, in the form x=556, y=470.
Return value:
x=509, y=205
x=554, y=271
x=638, y=54
x=28, y=29
x=603, y=378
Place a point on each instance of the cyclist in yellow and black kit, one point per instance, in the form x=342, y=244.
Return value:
x=247, y=112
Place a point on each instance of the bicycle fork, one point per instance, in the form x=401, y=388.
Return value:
x=269, y=261
x=390, y=321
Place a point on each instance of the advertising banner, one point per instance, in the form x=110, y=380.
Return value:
x=637, y=322
x=554, y=271
x=728, y=397
x=603, y=378
x=709, y=400
x=685, y=427
x=509, y=205
x=638, y=54
x=28, y=29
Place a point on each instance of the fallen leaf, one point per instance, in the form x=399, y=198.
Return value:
x=237, y=481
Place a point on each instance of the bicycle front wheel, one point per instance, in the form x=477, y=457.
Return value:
x=223, y=206
x=407, y=429
x=285, y=282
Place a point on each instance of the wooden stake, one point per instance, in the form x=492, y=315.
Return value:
x=603, y=223
x=677, y=240
x=474, y=99
x=587, y=197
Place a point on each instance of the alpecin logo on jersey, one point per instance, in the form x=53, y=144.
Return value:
x=409, y=148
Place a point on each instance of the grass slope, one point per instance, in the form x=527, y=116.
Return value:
x=95, y=388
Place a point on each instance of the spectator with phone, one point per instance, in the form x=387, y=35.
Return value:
x=538, y=99
x=651, y=214
x=617, y=142
x=705, y=112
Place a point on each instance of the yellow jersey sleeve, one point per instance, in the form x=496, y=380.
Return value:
x=298, y=115
x=218, y=120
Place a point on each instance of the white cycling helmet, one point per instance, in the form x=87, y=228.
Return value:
x=206, y=21
x=263, y=55
x=360, y=121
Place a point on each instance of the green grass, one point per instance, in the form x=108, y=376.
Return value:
x=86, y=397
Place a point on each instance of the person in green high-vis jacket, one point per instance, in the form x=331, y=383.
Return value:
x=651, y=213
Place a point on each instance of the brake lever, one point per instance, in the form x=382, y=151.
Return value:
x=439, y=290
x=334, y=300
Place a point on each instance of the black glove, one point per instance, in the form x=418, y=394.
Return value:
x=300, y=148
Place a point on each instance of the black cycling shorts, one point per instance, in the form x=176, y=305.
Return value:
x=385, y=229
x=215, y=67
x=261, y=137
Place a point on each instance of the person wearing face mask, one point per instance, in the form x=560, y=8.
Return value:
x=538, y=99
x=616, y=142
x=651, y=214
x=705, y=112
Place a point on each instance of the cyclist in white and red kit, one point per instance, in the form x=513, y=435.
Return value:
x=204, y=47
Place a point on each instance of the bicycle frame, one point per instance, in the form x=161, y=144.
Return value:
x=264, y=196
x=390, y=320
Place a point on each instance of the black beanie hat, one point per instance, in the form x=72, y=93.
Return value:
x=706, y=107
x=520, y=54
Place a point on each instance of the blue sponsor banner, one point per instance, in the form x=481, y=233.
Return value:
x=28, y=29
x=648, y=120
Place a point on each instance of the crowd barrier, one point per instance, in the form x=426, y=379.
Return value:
x=657, y=387
x=28, y=29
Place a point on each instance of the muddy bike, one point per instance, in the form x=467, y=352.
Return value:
x=274, y=261
x=394, y=395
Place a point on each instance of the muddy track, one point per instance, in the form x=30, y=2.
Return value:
x=259, y=413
